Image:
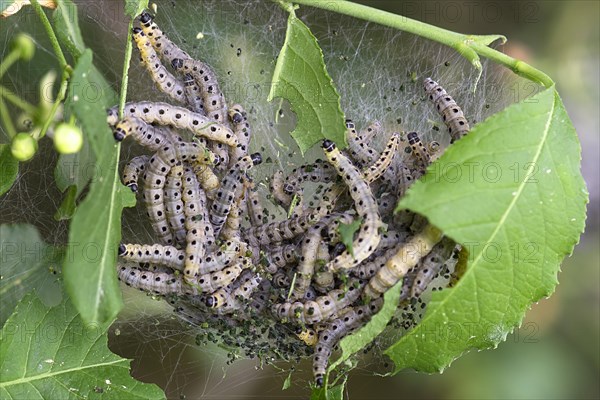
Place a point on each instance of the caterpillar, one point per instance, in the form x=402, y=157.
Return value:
x=208, y=180
x=178, y=117
x=279, y=195
x=323, y=280
x=280, y=256
x=431, y=265
x=322, y=308
x=152, y=254
x=195, y=153
x=241, y=130
x=368, y=236
x=367, y=134
x=319, y=171
x=230, y=300
x=165, y=81
x=214, y=102
x=402, y=261
x=146, y=135
x=310, y=247
x=450, y=112
x=164, y=283
x=419, y=152
x=350, y=320
x=222, y=257
x=174, y=203
x=132, y=170
x=254, y=207
x=193, y=94
x=374, y=171
x=290, y=228
x=228, y=192
x=360, y=152
x=199, y=232
x=161, y=43
x=368, y=269
x=154, y=180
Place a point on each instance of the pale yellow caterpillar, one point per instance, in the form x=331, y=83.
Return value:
x=193, y=94
x=163, y=283
x=174, y=203
x=350, y=320
x=165, y=81
x=146, y=135
x=132, y=170
x=161, y=43
x=374, y=171
x=322, y=308
x=178, y=117
x=450, y=112
x=230, y=189
x=431, y=265
x=360, y=152
x=214, y=102
x=319, y=171
x=368, y=236
x=199, y=235
x=402, y=261
x=231, y=300
x=419, y=152
x=153, y=254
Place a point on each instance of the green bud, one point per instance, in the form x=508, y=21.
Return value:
x=23, y=146
x=68, y=138
x=24, y=45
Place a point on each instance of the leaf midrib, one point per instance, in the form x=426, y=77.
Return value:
x=57, y=373
x=441, y=304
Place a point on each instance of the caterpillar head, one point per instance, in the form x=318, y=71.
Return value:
x=177, y=63
x=328, y=145
x=146, y=18
x=256, y=158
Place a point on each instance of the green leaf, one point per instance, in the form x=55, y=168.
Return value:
x=47, y=353
x=330, y=393
x=133, y=8
x=26, y=263
x=512, y=194
x=67, y=207
x=347, y=233
x=288, y=381
x=357, y=341
x=9, y=168
x=67, y=29
x=75, y=169
x=66, y=23
x=301, y=77
x=95, y=231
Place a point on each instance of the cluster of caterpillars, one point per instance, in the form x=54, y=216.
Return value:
x=217, y=257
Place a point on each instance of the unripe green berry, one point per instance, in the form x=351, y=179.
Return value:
x=24, y=45
x=68, y=138
x=23, y=146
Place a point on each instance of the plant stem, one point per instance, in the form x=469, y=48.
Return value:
x=17, y=101
x=5, y=117
x=62, y=93
x=7, y=61
x=125, y=77
x=464, y=44
x=51, y=35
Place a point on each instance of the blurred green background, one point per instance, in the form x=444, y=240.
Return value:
x=556, y=352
